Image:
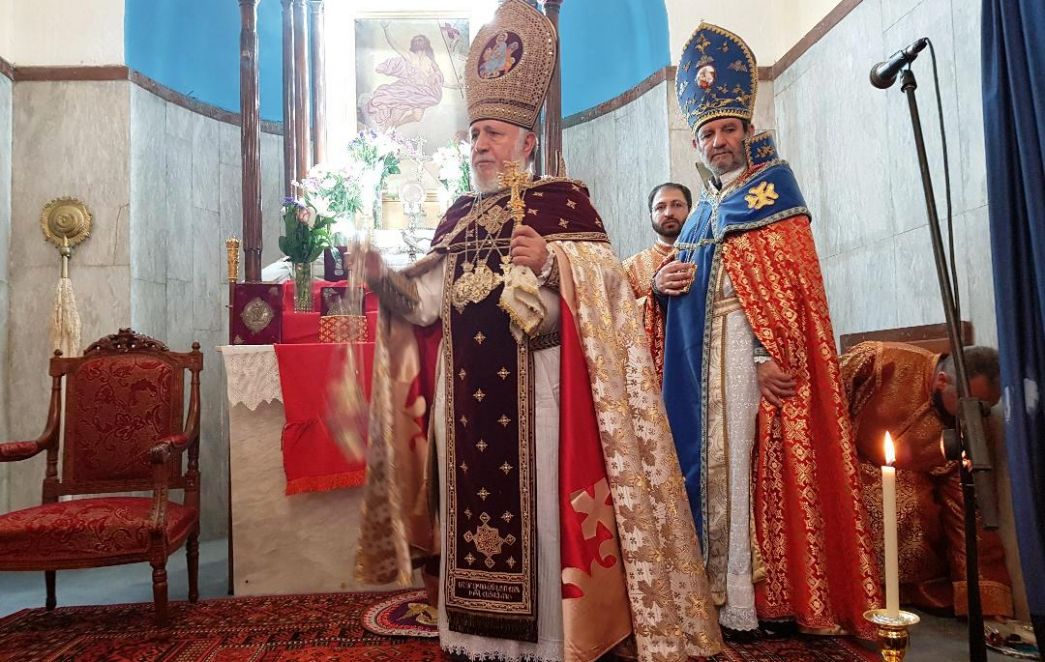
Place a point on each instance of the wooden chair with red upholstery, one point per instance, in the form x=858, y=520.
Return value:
x=124, y=431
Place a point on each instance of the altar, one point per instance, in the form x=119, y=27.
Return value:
x=299, y=543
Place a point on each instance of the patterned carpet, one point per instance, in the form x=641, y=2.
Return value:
x=296, y=628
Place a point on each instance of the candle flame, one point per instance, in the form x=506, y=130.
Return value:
x=890, y=452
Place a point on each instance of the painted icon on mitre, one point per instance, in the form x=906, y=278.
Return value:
x=706, y=76
x=500, y=55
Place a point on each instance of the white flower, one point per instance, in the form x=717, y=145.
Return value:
x=307, y=215
x=321, y=206
x=450, y=172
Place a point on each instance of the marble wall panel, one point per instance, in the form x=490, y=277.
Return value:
x=930, y=18
x=209, y=271
x=148, y=175
x=149, y=310
x=918, y=292
x=620, y=156
x=798, y=143
x=271, y=197
x=682, y=167
x=894, y=11
x=976, y=275
x=969, y=155
x=71, y=139
x=852, y=150
x=179, y=204
x=5, y=179
x=205, y=149
x=5, y=246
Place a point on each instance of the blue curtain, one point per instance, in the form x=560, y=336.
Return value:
x=1014, y=124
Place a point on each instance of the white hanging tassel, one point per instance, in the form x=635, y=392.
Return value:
x=65, y=320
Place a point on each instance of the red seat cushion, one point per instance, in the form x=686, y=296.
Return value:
x=99, y=529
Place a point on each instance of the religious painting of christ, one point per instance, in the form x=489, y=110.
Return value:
x=410, y=76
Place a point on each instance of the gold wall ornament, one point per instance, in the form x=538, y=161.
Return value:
x=66, y=222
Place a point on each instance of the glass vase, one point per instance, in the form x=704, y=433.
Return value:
x=302, y=287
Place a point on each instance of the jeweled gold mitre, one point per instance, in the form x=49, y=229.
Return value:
x=510, y=66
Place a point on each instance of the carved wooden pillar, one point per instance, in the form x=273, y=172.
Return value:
x=319, y=80
x=290, y=161
x=553, y=104
x=250, y=138
x=302, y=116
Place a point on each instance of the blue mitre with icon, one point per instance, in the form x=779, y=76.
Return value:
x=717, y=77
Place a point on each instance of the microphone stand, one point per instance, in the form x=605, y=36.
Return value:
x=970, y=431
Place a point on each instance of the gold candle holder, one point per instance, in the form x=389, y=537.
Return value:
x=892, y=632
x=232, y=258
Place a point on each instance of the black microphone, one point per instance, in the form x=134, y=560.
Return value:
x=883, y=74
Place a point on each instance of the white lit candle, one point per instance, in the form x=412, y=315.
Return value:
x=892, y=570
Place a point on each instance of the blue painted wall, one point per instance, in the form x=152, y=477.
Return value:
x=609, y=46
x=192, y=46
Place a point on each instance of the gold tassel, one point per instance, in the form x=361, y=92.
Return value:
x=65, y=319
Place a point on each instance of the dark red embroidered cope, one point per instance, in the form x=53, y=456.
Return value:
x=491, y=575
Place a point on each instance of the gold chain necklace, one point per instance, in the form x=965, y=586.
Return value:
x=478, y=279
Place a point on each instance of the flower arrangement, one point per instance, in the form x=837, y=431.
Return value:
x=305, y=234
x=376, y=152
x=333, y=190
x=455, y=170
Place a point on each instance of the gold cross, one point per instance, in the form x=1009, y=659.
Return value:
x=761, y=196
x=516, y=179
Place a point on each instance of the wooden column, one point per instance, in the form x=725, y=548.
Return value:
x=316, y=21
x=290, y=162
x=302, y=116
x=553, y=104
x=250, y=138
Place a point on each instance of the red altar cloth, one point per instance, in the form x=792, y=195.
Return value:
x=312, y=459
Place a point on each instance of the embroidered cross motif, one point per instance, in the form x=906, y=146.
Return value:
x=506, y=468
x=531, y=212
x=479, y=337
x=761, y=196
x=468, y=557
x=572, y=204
x=468, y=513
x=482, y=445
x=464, y=421
x=538, y=194
x=464, y=467
x=503, y=373
x=462, y=374
x=507, y=516
x=479, y=395
x=482, y=493
x=510, y=562
x=488, y=540
x=504, y=420
x=563, y=223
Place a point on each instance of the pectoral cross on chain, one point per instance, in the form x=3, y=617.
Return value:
x=517, y=180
